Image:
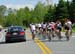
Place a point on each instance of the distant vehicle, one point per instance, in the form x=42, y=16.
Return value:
x=1, y=27
x=15, y=33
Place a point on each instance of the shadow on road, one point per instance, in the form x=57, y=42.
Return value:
x=28, y=40
x=16, y=42
x=54, y=41
x=11, y=42
x=2, y=42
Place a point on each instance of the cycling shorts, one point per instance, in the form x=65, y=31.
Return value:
x=59, y=28
x=44, y=29
x=48, y=29
x=53, y=29
x=39, y=28
x=67, y=28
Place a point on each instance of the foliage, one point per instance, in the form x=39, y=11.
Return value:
x=41, y=12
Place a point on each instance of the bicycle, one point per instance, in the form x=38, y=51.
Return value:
x=68, y=34
x=44, y=33
x=49, y=34
x=33, y=34
x=58, y=33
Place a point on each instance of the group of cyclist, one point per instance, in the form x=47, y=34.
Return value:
x=52, y=29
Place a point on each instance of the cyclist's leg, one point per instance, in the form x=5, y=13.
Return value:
x=40, y=31
x=36, y=29
x=49, y=35
x=44, y=33
x=67, y=34
x=33, y=34
x=53, y=33
x=59, y=33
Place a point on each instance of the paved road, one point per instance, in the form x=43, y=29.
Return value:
x=28, y=47
x=38, y=46
x=62, y=47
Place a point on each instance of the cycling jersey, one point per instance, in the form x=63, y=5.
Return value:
x=44, y=26
x=52, y=26
x=49, y=26
x=36, y=25
x=39, y=25
x=33, y=28
x=59, y=26
x=68, y=25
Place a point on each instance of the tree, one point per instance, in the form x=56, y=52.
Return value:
x=39, y=12
x=11, y=19
x=2, y=12
x=50, y=15
x=72, y=11
x=23, y=16
x=61, y=10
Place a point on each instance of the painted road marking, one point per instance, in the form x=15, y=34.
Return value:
x=42, y=46
x=45, y=49
x=38, y=43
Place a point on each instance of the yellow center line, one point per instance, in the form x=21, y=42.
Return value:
x=42, y=46
x=45, y=47
x=44, y=52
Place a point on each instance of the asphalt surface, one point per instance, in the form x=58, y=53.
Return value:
x=28, y=47
x=31, y=47
x=62, y=47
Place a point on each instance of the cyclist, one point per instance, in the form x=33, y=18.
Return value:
x=58, y=28
x=49, y=26
x=36, y=28
x=49, y=30
x=53, y=29
x=44, y=29
x=68, y=28
x=40, y=28
x=33, y=30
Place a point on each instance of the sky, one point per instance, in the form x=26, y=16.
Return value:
x=17, y=4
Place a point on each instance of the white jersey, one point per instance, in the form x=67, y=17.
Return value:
x=39, y=25
x=49, y=26
x=69, y=24
x=33, y=27
x=44, y=26
x=58, y=25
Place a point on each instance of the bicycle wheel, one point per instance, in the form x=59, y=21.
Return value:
x=67, y=35
x=58, y=33
x=49, y=35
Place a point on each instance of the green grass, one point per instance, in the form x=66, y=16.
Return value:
x=73, y=30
